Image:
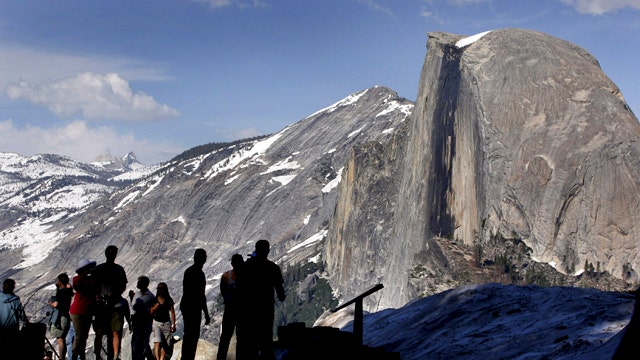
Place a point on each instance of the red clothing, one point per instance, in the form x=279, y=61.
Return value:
x=85, y=297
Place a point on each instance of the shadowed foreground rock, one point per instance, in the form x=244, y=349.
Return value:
x=629, y=348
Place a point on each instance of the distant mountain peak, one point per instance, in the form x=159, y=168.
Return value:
x=127, y=162
x=130, y=161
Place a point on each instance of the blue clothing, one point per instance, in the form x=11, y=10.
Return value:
x=142, y=321
x=11, y=312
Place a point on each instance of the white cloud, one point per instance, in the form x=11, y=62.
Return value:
x=430, y=15
x=215, y=4
x=243, y=133
x=376, y=7
x=81, y=142
x=95, y=96
x=464, y=2
x=600, y=7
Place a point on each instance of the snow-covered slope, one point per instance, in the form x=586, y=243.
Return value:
x=38, y=191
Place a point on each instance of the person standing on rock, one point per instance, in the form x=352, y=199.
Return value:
x=112, y=281
x=142, y=321
x=193, y=304
x=229, y=292
x=81, y=310
x=11, y=313
x=164, y=322
x=259, y=278
x=60, y=319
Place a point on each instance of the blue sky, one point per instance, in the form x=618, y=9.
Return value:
x=156, y=77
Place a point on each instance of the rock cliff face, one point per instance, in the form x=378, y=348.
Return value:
x=515, y=134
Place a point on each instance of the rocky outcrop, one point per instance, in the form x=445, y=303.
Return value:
x=515, y=134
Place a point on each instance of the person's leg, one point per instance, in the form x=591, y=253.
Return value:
x=71, y=337
x=163, y=353
x=112, y=345
x=265, y=336
x=62, y=348
x=247, y=336
x=156, y=350
x=115, y=343
x=228, y=325
x=137, y=349
x=191, y=334
x=76, y=328
x=165, y=339
x=148, y=352
x=82, y=324
x=97, y=344
x=156, y=337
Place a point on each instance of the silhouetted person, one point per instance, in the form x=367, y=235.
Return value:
x=259, y=278
x=81, y=310
x=164, y=322
x=142, y=321
x=111, y=280
x=628, y=347
x=60, y=321
x=11, y=313
x=193, y=304
x=229, y=291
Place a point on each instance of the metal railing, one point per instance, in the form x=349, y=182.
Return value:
x=358, y=316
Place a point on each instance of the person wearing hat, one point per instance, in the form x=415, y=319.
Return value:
x=81, y=310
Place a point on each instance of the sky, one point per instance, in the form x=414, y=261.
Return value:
x=157, y=77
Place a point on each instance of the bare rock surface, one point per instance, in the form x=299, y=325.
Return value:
x=515, y=134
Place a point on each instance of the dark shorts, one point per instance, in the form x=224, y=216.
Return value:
x=63, y=330
x=108, y=322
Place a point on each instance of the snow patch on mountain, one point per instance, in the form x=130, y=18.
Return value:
x=282, y=180
x=349, y=100
x=470, y=39
x=231, y=179
x=396, y=106
x=68, y=197
x=127, y=199
x=286, y=164
x=41, y=166
x=136, y=173
x=313, y=239
x=333, y=183
x=244, y=157
x=355, y=132
x=181, y=219
x=34, y=236
x=190, y=166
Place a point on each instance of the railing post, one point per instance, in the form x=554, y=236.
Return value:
x=358, y=316
x=358, y=323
